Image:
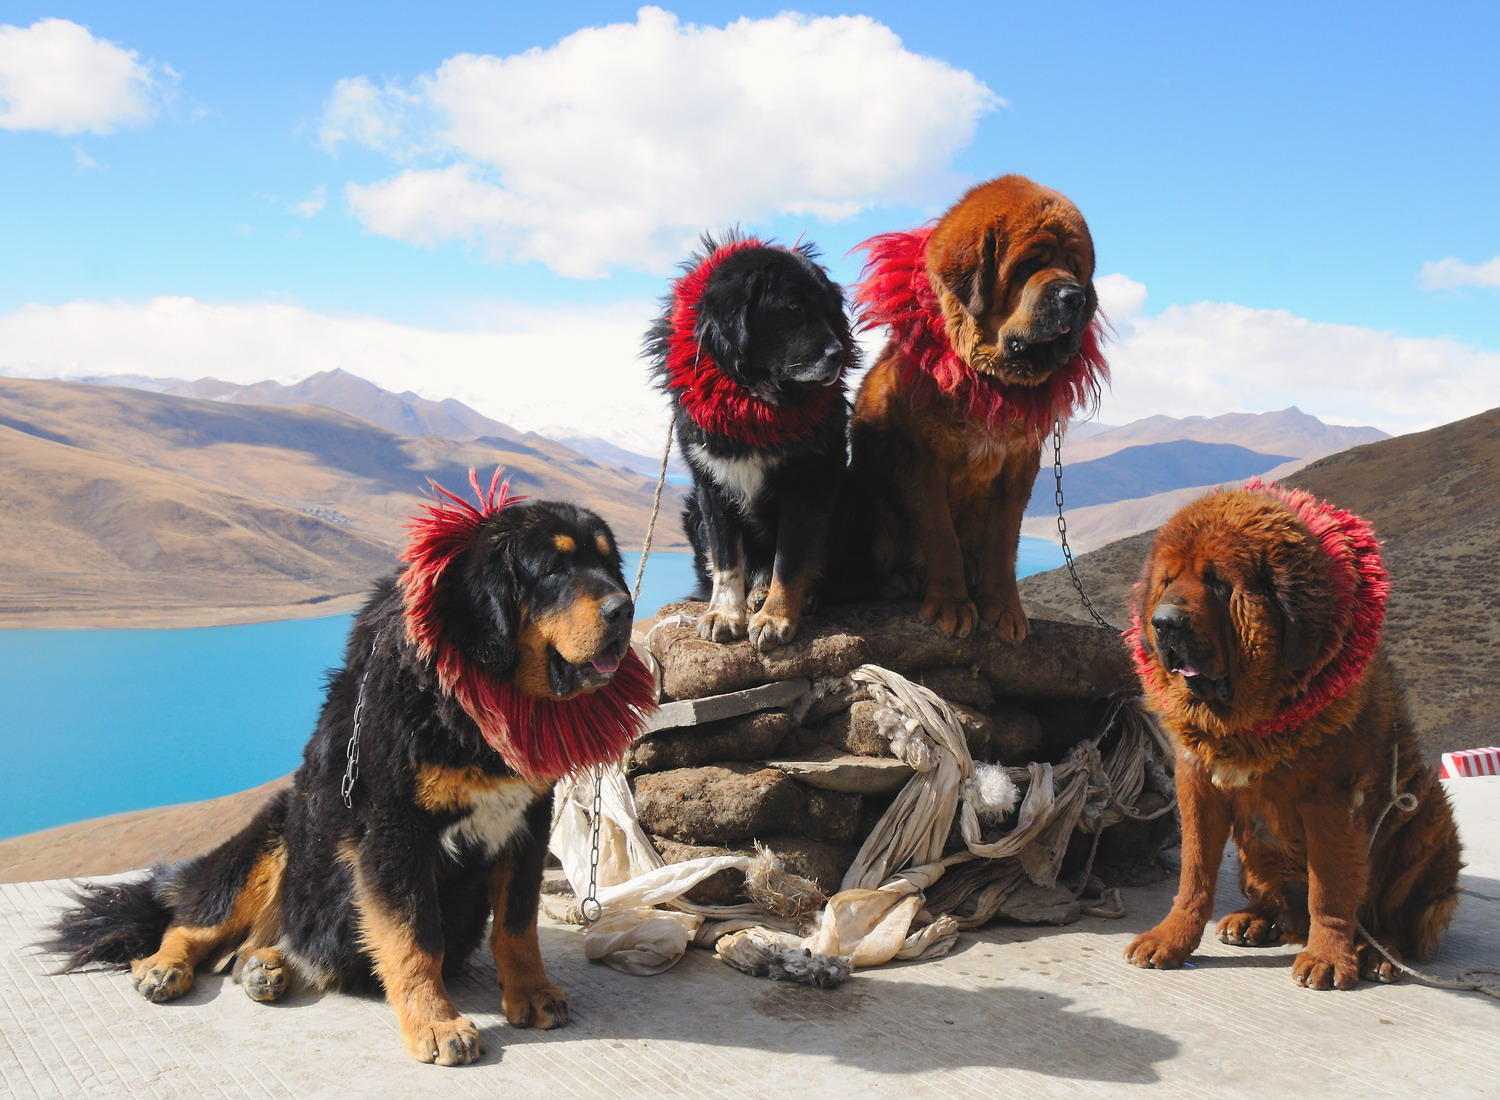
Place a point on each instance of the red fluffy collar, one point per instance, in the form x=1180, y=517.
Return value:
x=1361, y=587
x=717, y=403
x=539, y=739
x=895, y=291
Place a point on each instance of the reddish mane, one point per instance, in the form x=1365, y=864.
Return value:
x=895, y=291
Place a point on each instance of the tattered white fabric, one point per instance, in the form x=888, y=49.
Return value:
x=878, y=915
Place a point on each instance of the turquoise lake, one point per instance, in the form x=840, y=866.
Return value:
x=98, y=722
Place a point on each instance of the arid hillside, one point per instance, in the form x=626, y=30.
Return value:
x=1432, y=496
x=123, y=507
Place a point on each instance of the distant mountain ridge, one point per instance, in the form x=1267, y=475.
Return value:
x=138, y=508
x=1149, y=468
x=1289, y=431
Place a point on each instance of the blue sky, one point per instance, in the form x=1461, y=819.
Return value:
x=1247, y=173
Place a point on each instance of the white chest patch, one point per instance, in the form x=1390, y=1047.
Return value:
x=492, y=820
x=739, y=477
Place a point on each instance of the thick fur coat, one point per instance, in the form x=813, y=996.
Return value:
x=495, y=661
x=1257, y=641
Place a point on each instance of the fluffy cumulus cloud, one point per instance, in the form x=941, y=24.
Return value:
x=616, y=145
x=1452, y=273
x=1215, y=357
x=56, y=76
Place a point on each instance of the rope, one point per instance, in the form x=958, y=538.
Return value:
x=1467, y=979
x=590, y=907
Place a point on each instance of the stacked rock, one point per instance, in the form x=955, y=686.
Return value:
x=782, y=748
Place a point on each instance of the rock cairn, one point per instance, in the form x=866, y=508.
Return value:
x=781, y=748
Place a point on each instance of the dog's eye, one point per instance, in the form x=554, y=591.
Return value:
x=794, y=307
x=1218, y=587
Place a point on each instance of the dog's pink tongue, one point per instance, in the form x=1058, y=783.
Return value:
x=606, y=664
x=1186, y=670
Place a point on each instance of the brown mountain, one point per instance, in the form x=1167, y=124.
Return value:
x=1432, y=498
x=399, y=413
x=128, y=507
x=1289, y=432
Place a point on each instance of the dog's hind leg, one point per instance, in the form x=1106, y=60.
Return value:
x=527, y=995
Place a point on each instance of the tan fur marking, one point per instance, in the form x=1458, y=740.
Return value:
x=603, y=544
x=527, y=995
x=442, y=789
x=564, y=544
x=577, y=632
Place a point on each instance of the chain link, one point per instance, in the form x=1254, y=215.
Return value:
x=351, y=752
x=590, y=907
x=1062, y=529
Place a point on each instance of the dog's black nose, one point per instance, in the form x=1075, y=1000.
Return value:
x=1069, y=298
x=1169, y=618
x=616, y=609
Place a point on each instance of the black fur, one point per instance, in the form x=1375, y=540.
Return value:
x=774, y=323
x=514, y=573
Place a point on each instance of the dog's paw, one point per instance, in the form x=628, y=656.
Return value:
x=722, y=625
x=767, y=631
x=1162, y=948
x=953, y=617
x=1008, y=619
x=1375, y=967
x=160, y=981
x=1326, y=969
x=757, y=598
x=452, y=1042
x=1248, y=929
x=545, y=1007
x=264, y=975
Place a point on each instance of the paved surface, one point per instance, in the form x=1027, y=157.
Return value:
x=1013, y=1010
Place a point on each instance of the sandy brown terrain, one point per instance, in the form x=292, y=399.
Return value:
x=1433, y=499
x=122, y=507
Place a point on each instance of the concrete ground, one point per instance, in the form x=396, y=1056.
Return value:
x=1014, y=1010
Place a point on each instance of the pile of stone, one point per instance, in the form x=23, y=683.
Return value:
x=780, y=748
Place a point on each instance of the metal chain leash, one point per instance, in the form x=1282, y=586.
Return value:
x=590, y=908
x=351, y=753
x=1062, y=529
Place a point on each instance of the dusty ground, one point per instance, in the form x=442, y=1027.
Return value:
x=1014, y=1011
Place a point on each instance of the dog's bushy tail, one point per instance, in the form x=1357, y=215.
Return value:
x=110, y=924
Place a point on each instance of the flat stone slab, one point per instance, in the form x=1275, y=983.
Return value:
x=1013, y=1011
x=837, y=771
x=692, y=712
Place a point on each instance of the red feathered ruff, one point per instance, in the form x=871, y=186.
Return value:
x=539, y=739
x=1361, y=587
x=895, y=291
x=717, y=403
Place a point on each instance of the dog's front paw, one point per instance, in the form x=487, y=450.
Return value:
x=1249, y=929
x=1326, y=969
x=722, y=625
x=1162, y=948
x=545, y=1007
x=953, y=617
x=769, y=630
x=452, y=1042
x=1008, y=618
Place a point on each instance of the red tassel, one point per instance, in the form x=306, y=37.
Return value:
x=896, y=292
x=1361, y=587
x=537, y=738
x=717, y=403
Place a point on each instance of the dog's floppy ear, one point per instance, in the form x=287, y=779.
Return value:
x=724, y=322
x=969, y=270
x=1297, y=606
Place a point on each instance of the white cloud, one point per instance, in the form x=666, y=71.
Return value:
x=56, y=76
x=314, y=203
x=1120, y=296
x=1215, y=357
x=618, y=144
x=529, y=367
x=83, y=162
x=1451, y=273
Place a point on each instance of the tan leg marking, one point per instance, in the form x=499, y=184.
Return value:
x=527, y=995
